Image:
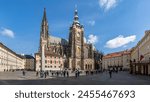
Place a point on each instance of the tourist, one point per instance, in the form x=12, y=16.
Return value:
x=110, y=73
x=64, y=73
x=52, y=73
x=78, y=73
x=45, y=74
x=67, y=74
x=57, y=73
x=23, y=73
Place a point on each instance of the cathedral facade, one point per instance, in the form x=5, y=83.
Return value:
x=60, y=54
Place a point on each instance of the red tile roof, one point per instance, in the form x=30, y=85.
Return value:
x=117, y=54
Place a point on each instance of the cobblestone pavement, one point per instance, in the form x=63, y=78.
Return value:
x=120, y=78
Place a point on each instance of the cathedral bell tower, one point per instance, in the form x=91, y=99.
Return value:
x=76, y=43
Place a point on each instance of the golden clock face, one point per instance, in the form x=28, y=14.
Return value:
x=78, y=49
x=78, y=34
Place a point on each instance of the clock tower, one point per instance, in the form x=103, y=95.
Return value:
x=76, y=43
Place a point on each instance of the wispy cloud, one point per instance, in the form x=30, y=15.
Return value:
x=7, y=32
x=92, y=39
x=120, y=41
x=91, y=23
x=108, y=4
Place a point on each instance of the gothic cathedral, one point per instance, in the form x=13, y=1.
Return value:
x=59, y=54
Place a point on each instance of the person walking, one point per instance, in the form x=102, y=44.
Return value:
x=23, y=73
x=52, y=73
x=64, y=73
x=110, y=73
x=67, y=74
x=57, y=73
x=45, y=74
x=76, y=73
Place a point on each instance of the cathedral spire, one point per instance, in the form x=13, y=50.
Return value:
x=44, y=26
x=76, y=18
x=44, y=16
x=44, y=34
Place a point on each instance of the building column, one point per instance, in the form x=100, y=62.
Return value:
x=43, y=55
x=43, y=59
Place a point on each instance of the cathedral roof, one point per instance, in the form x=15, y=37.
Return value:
x=49, y=53
x=57, y=40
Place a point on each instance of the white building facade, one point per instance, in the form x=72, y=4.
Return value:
x=9, y=60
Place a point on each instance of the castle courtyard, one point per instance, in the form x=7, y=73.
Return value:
x=120, y=78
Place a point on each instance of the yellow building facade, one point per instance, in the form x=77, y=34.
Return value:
x=119, y=60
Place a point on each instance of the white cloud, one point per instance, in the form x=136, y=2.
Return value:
x=92, y=39
x=85, y=41
x=92, y=22
x=120, y=41
x=7, y=32
x=108, y=4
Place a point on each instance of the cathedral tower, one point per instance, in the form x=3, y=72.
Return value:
x=76, y=43
x=43, y=40
x=44, y=34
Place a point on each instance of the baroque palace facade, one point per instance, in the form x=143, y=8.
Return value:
x=59, y=54
x=10, y=61
x=120, y=60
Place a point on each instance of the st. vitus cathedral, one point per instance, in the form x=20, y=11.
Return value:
x=60, y=54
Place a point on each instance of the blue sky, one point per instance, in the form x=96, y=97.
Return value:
x=111, y=25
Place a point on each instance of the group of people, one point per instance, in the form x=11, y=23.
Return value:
x=64, y=73
x=92, y=72
x=45, y=74
x=77, y=73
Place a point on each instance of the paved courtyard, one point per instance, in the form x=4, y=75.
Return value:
x=120, y=78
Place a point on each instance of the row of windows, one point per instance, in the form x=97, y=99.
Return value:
x=9, y=63
x=52, y=66
x=4, y=64
x=10, y=60
x=7, y=55
x=51, y=62
x=53, y=57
